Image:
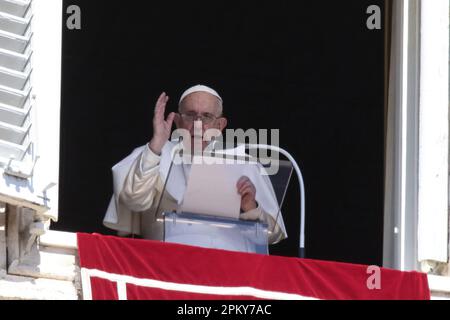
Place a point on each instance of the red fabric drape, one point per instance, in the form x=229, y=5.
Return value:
x=177, y=265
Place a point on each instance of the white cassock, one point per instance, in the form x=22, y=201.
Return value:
x=140, y=199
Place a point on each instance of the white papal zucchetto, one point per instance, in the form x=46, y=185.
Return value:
x=199, y=88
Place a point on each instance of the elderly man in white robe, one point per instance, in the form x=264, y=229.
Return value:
x=141, y=192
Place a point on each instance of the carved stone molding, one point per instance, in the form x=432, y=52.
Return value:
x=28, y=250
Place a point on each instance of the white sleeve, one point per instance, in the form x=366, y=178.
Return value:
x=143, y=184
x=258, y=214
x=148, y=161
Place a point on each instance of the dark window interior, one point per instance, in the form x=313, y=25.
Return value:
x=309, y=68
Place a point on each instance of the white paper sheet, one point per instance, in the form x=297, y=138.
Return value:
x=212, y=189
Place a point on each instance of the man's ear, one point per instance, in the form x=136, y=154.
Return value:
x=222, y=123
x=177, y=120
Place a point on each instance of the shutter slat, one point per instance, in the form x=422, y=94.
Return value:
x=15, y=78
x=14, y=134
x=15, y=7
x=13, y=61
x=15, y=98
x=13, y=42
x=13, y=24
x=14, y=116
x=10, y=150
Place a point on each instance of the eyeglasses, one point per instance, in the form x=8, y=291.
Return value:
x=206, y=118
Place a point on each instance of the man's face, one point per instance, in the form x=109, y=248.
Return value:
x=199, y=112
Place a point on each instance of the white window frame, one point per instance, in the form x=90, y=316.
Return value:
x=401, y=152
x=434, y=132
x=416, y=203
x=47, y=47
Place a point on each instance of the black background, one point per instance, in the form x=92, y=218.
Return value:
x=309, y=68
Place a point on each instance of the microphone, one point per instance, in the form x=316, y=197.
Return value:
x=177, y=149
x=301, y=185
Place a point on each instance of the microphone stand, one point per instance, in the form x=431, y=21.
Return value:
x=301, y=252
x=178, y=147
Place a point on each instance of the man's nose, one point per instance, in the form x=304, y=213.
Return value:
x=197, y=128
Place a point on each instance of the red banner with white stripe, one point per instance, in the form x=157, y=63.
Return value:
x=127, y=269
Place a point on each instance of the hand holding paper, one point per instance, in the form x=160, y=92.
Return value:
x=247, y=191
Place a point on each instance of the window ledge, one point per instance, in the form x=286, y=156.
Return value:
x=439, y=287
